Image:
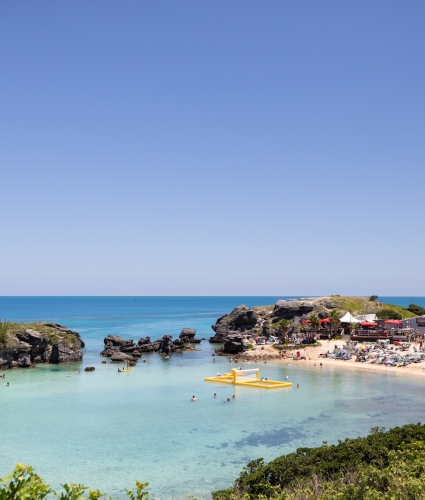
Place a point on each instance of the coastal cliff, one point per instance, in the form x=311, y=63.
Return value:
x=22, y=345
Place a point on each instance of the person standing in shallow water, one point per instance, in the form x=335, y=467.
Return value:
x=193, y=398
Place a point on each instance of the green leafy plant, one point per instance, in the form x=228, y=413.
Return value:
x=249, y=346
x=373, y=298
x=140, y=493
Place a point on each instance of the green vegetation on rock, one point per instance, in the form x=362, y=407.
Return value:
x=51, y=332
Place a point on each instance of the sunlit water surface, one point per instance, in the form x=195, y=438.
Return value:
x=107, y=429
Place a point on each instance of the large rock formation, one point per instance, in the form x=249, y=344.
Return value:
x=239, y=320
x=28, y=344
x=288, y=309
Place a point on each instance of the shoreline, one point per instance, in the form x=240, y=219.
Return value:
x=310, y=356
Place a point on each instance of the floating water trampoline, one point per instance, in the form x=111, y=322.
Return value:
x=248, y=378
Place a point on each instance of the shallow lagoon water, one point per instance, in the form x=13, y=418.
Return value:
x=107, y=429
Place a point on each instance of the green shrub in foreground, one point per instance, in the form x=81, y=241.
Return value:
x=332, y=466
x=24, y=484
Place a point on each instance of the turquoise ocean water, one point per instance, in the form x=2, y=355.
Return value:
x=107, y=429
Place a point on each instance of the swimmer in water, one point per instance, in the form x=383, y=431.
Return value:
x=215, y=395
x=7, y=385
x=286, y=377
x=298, y=386
x=193, y=398
x=69, y=375
x=228, y=399
x=233, y=397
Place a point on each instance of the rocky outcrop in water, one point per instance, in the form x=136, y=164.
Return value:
x=117, y=345
x=239, y=320
x=31, y=343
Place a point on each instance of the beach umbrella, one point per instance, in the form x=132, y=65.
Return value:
x=369, y=323
x=305, y=321
x=326, y=320
x=393, y=322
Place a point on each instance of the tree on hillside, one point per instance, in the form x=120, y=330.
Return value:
x=389, y=313
x=417, y=310
x=284, y=326
x=373, y=298
x=335, y=317
x=314, y=322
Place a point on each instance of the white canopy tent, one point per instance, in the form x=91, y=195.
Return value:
x=349, y=319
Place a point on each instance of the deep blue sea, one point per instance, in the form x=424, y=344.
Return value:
x=107, y=429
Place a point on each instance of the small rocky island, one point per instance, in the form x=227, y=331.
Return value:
x=22, y=345
x=119, y=349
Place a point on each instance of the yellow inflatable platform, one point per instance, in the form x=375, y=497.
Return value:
x=237, y=377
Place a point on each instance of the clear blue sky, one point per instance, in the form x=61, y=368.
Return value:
x=212, y=147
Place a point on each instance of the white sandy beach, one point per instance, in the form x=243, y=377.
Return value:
x=311, y=356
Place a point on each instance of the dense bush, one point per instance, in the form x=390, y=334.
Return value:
x=389, y=313
x=4, y=327
x=417, y=310
x=364, y=457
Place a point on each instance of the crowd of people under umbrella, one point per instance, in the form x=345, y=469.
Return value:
x=379, y=353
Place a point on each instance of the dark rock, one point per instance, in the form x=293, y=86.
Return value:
x=289, y=309
x=108, y=351
x=144, y=341
x=114, y=340
x=145, y=348
x=239, y=320
x=166, y=344
x=187, y=334
x=235, y=344
x=89, y=369
x=120, y=356
x=329, y=305
x=179, y=343
x=128, y=347
x=63, y=353
x=323, y=315
x=24, y=360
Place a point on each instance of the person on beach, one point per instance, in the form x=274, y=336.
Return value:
x=193, y=398
x=228, y=400
x=215, y=394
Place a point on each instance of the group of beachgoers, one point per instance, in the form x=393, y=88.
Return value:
x=227, y=400
x=2, y=377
